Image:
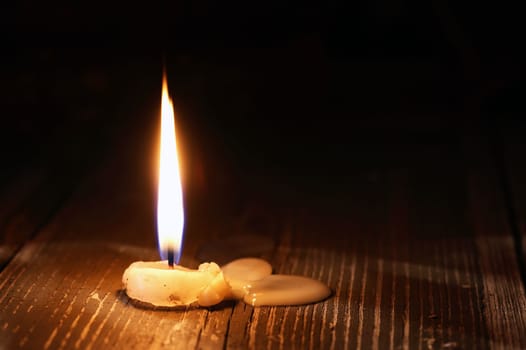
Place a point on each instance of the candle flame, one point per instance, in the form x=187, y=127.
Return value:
x=170, y=211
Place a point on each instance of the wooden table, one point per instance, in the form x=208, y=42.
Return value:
x=418, y=231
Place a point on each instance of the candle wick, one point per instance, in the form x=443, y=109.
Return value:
x=171, y=257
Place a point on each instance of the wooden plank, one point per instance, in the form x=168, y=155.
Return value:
x=26, y=204
x=32, y=196
x=511, y=149
x=504, y=316
x=12, y=197
x=417, y=252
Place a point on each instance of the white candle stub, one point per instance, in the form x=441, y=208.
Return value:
x=248, y=279
x=158, y=284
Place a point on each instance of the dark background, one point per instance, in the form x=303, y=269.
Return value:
x=275, y=89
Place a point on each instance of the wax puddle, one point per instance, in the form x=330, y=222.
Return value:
x=252, y=281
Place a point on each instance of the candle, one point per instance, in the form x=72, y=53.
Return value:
x=166, y=284
x=158, y=284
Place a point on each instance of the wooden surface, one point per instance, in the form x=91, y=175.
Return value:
x=417, y=244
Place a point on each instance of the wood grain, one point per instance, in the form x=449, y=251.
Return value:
x=418, y=253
